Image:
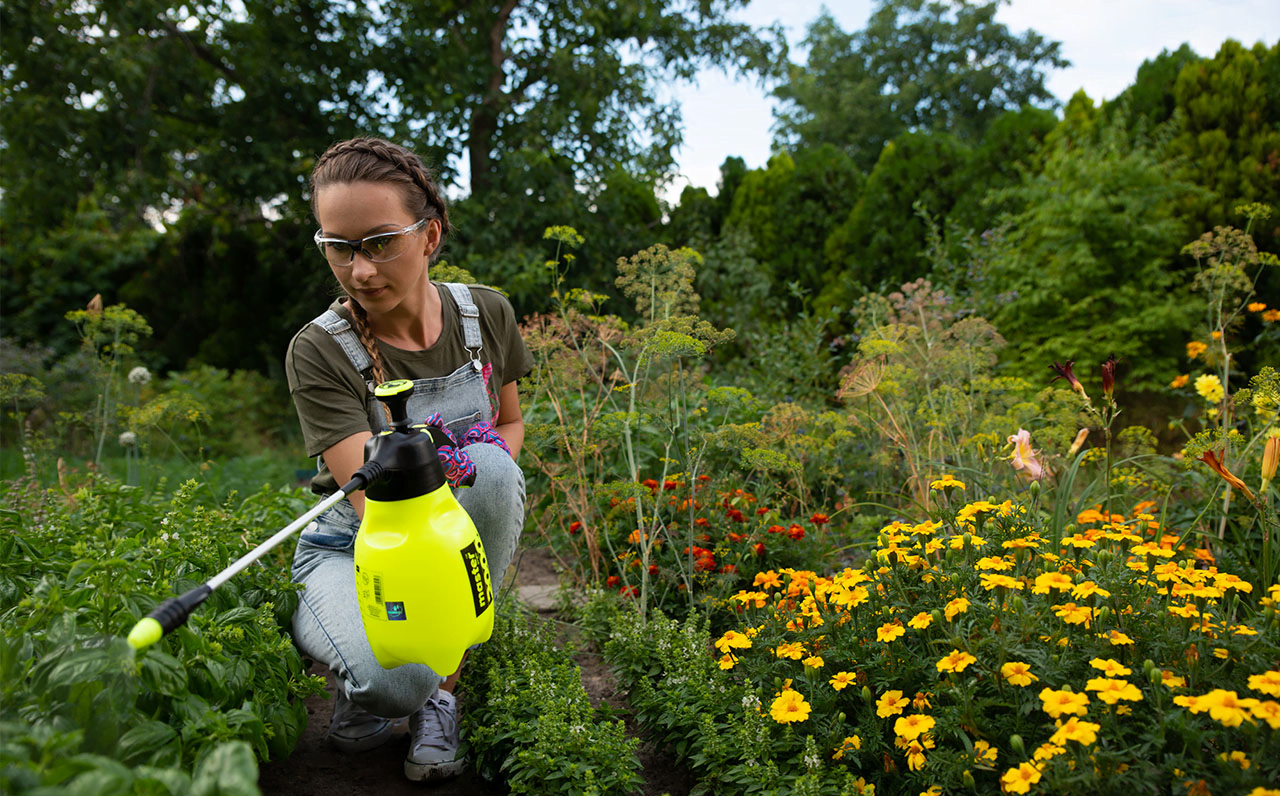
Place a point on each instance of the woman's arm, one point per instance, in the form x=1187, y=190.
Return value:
x=510, y=422
x=343, y=459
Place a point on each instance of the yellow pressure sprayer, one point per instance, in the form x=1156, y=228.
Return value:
x=422, y=579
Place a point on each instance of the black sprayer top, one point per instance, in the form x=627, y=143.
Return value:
x=407, y=453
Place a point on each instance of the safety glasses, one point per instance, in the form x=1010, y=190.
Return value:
x=377, y=248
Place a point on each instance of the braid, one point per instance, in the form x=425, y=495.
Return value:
x=376, y=160
x=370, y=344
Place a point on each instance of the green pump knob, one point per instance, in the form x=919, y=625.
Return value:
x=395, y=394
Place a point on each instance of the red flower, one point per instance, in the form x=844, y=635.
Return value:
x=758, y=547
x=653, y=569
x=729, y=568
x=628, y=591
x=612, y=580
x=703, y=521
x=651, y=484
x=735, y=537
x=763, y=510
x=669, y=484
x=735, y=515
x=796, y=532
x=1065, y=372
x=1109, y=375
x=819, y=519
x=575, y=526
x=635, y=563
x=776, y=529
x=705, y=564
x=704, y=478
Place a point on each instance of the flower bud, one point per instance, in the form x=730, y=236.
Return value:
x=1081, y=436
x=967, y=779
x=1034, y=489
x=1015, y=743
x=1016, y=603
x=1155, y=677
x=1104, y=613
x=1270, y=457
x=866, y=695
x=1148, y=665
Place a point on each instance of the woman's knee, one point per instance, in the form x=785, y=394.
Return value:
x=393, y=693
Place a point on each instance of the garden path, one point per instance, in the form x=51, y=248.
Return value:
x=316, y=769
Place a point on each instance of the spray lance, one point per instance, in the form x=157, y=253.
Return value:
x=422, y=579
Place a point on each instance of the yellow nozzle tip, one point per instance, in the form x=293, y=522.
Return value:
x=145, y=633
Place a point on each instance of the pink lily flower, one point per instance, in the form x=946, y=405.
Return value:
x=1024, y=458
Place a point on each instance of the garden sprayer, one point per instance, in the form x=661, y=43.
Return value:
x=422, y=579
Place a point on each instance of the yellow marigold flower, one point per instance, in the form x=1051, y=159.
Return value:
x=1020, y=779
x=956, y=607
x=945, y=481
x=1171, y=680
x=891, y=704
x=1210, y=387
x=1109, y=667
x=1074, y=614
x=990, y=582
x=1271, y=316
x=727, y=662
x=1078, y=540
x=1048, y=751
x=1082, y=732
x=1195, y=348
x=956, y=661
x=1237, y=757
x=890, y=631
x=1180, y=381
x=1018, y=673
x=984, y=752
x=957, y=542
x=921, y=700
x=1268, y=711
x=842, y=680
x=1268, y=683
x=966, y=514
x=1056, y=703
x=789, y=707
x=1227, y=707
x=915, y=752
x=849, y=743
x=1221, y=652
x=814, y=662
x=1052, y=580
x=913, y=726
x=1256, y=306
x=993, y=562
x=1186, y=611
x=1119, y=639
x=932, y=790
x=1088, y=588
x=921, y=620
x=1111, y=691
x=791, y=649
x=769, y=580
x=732, y=640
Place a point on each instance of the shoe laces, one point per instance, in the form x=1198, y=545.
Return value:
x=437, y=723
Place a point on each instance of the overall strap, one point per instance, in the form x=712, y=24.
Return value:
x=341, y=331
x=470, y=321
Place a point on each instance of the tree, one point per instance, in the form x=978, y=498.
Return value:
x=919, y=65
x=1087, y=266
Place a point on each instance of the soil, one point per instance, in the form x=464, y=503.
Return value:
x=317, y=769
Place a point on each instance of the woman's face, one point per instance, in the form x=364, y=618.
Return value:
x=356, y=210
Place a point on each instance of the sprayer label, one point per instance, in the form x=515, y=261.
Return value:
x=395, y=612
x=478, y=574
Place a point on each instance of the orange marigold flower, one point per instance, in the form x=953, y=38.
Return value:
x=1268, y=683
x=891, y=704
x=890, y=631
x=842, y=680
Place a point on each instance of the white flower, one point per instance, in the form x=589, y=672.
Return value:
x=139, y=375
x=128, y=439
x=164, y=537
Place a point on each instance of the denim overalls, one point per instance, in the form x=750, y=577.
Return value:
x=327, y=625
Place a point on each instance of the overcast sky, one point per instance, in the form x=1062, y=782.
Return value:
x=1105, y=41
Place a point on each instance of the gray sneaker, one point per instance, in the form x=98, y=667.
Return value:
x=433, y=750
x=354, y=730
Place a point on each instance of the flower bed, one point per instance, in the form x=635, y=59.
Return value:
x=973, y=653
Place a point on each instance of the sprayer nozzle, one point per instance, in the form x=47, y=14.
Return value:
x=147, y=632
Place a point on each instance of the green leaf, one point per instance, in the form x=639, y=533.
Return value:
x=163, y=674
x=142, y=741
x=229, y=770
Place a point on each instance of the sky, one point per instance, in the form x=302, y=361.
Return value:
x=1105, y=41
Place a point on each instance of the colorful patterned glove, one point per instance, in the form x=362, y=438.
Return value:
x=484, y=432
x=458, y=467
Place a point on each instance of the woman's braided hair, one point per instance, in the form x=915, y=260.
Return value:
x=376, y=160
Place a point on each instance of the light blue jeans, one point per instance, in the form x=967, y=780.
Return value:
x=327, y=625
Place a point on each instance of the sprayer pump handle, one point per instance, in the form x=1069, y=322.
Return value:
x=395, y=394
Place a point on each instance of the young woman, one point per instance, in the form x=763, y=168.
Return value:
x=382, y=222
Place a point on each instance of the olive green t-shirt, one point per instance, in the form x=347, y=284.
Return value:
x=332, y=396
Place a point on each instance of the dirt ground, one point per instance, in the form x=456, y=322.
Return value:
x=316, y=769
